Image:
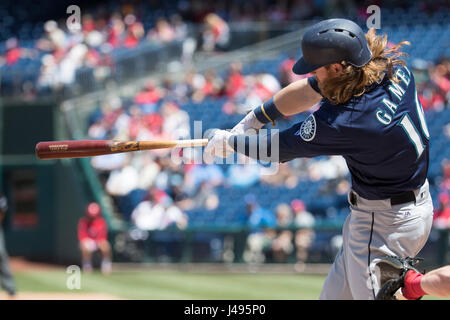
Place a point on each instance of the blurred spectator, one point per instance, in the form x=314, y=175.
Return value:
x=257, y=89
x=158, y=212
x=149, y=96
x=48, y=77
x=179, y=27
x=304, y=236
x=134, y=33
x=6, y=277
x=175, y=120
x=107, y=163
x=162, y=32
x=148, y=215
x=301, y=9
x=282, y=245
x=116, y=31
x=216, y=33
x=302, y=217
x=71, y=62
x=123, y=180
x=182, y=199
x=445, y=183
x=14, y=52
x=285, y=73
x=278, y=12
x=197, y=174
x=258, y=217
x=243, y=175
x=148, y=171
x=209, y=86
x=235, y=80
x=285, y=176
x=261, y=222
x=328, y=168
x=206, y=197
x=433, y=83
x=441, y=218
x=93, y=236
x=54, y=39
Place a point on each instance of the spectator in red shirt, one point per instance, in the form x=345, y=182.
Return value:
x=151, y=94
x=14, y=52
x=135, y=32
x=235, y=81
x=116, y=31
x=441, y=219
x=92, y=235
x=285, y=73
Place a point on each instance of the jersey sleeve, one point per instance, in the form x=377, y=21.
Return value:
x=82, y=230
x=312, y=81
x=103, y=232
x=313, y=137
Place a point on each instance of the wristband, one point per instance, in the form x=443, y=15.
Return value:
x=412, y=289
x=267, y=112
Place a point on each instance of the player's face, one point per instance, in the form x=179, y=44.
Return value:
x=326, y=72
x=321, y=74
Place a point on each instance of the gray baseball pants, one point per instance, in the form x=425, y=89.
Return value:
x=374, y=229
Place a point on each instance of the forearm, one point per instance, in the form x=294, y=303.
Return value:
x=258, y=147
x=437, y=282
x=295, y=98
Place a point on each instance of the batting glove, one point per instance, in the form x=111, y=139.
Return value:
x=245, y=125
x=218, y=145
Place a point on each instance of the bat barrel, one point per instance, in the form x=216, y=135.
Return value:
x=91, y=148
x=72, y=149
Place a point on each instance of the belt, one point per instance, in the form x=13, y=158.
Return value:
x=405, y=197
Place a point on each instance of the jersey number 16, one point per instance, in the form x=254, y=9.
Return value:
x=412, y=132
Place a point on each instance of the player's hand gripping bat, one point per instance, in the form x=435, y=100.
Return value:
x=91, y=148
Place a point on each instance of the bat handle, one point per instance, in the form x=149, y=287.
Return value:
x=192, y=143
x=150, y=145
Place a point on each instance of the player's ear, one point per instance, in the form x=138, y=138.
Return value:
x=337, y=68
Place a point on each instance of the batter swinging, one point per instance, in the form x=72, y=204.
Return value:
x=370, y=114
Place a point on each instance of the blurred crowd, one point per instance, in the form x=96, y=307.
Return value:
x=442, y=211
x=58, y=53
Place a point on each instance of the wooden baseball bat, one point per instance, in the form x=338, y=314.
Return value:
x=91, y=148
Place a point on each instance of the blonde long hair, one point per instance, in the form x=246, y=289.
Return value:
x=352, y=81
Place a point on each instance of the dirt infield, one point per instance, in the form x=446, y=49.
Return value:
x=57, y=296
x=19, y=264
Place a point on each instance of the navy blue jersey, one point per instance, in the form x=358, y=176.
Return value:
x=382, y=135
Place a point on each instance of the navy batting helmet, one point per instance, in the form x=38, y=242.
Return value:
x=331, y=41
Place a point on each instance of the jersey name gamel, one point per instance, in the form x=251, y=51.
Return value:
x=382, y=135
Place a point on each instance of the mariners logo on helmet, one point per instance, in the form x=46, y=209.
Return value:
x=308, y=129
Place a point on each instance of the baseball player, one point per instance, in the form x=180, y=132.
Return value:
x=93, y=236
x=370, y=114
